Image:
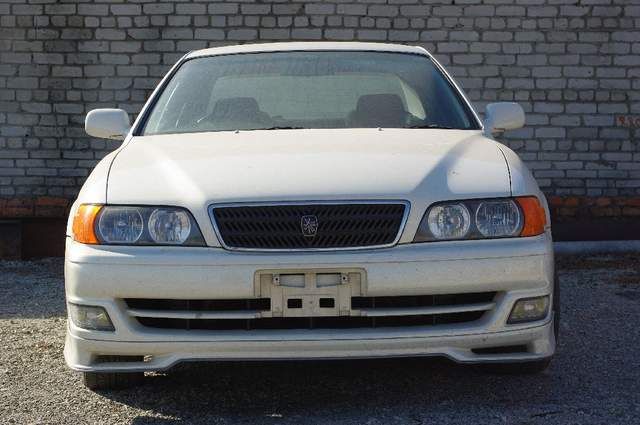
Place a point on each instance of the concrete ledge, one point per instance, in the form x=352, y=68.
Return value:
x=596, y=247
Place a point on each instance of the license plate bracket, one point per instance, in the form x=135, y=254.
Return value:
x=309, y=293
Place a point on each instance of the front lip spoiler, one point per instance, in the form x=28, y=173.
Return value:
x=454, y=347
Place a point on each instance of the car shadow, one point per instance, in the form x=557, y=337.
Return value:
x=256, y=392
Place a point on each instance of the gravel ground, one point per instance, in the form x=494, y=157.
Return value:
x=595, y=378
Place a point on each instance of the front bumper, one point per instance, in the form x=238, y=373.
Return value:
x=104, y=276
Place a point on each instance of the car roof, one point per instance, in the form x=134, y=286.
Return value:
x=307, y=46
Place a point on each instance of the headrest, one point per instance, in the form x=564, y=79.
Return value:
x=235, y=107
x=380, y=110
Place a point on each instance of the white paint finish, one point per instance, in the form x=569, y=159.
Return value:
x=307, y=46
x=94, y=272
x=165, y=353
x=107, y=123
x=102, y=276
x=503, y=116
x=152, y=257
x=419, y=165
x=196, y=170
x=519, y=268
x=94, y=190
x=522, y=181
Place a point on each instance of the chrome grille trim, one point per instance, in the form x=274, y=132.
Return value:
x=223, y=244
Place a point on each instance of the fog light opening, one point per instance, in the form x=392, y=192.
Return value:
x=529, y=310
x=90, y=317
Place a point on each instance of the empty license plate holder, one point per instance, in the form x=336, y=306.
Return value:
x=309, y=293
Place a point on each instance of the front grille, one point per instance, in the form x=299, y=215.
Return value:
x=369, y=312
x=408, y=301
x=337, y=322
x=309, y=226
x=260, y=304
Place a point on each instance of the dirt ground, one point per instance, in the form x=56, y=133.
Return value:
x=594, y=379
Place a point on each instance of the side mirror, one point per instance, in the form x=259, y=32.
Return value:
x=503, y=116
x=107, y=123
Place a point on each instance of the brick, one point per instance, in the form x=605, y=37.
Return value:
x=376, y=35
x=319, y=9
x=414, y=11
x=93, y=9
x=255, y=9
x=395, y=35
x=380, y=10
x=306, y=34
x=573, y=65
x=275, y=34
x=209, y=34
x=223, y=9
x=143, y=33
x=36, y=9
x=110, y=34
x=125, y=9
x=339, y=34
x=157, y=8
x=352, y=9
x=191, y=9
x=177, y=33
x=242, y=34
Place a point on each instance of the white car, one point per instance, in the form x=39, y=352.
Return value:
x=307, y=201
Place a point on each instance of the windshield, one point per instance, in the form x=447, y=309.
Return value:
x=324, y=89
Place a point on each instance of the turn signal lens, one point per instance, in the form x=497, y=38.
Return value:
x=83, y=227
x=535, y=217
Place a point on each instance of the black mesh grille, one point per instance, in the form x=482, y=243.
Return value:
x=199, y=305
x=329, y=226
x=345, y=322
x=422, y=300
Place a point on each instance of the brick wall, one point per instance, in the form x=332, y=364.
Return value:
x=574, y=65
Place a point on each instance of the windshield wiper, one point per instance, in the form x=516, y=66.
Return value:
x=282, y=127
x=444, y=127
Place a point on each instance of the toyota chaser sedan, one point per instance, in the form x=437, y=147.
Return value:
x=307, y=201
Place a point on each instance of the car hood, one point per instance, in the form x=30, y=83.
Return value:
x=198, y=169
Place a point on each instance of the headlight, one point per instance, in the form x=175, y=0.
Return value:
x=132, y=225
x=482, y=219
x=449, y=221
x=120, y=225
x=169, y=226
x=496, y=219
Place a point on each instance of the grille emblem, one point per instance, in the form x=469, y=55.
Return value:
x=309, y=224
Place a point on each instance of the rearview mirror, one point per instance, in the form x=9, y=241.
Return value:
x=503, y=116
x=107, y=123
